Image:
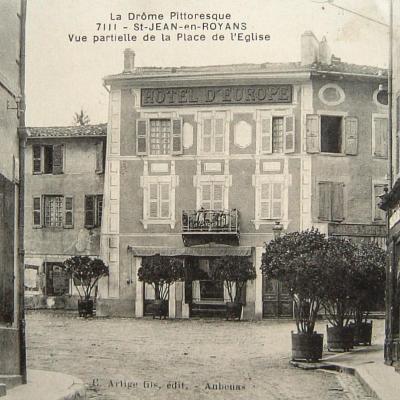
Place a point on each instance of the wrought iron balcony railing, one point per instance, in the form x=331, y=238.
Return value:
x=210, y=221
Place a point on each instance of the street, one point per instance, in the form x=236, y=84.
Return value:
x=188, y=359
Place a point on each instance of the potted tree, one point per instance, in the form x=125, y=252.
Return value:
x=339, y=292
x=161, y=272
x=85, y=272
x=369, y=282
x=295, y=259
x=234, y=271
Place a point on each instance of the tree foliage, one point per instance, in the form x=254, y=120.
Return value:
x=295, y=259
x=161, y=272
x=234, y=272
x=81, y=118
x=85, y=273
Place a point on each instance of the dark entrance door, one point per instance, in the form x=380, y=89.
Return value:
x=276, y=300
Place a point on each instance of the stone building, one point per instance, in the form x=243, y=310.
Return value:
x=205, y=161
x=12, y=64
x=64, y=180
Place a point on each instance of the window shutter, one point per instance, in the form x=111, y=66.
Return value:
x=276, y=199
x=164, y=200
x=68, y=212
x=207, y=132
x=218, y=196
x=58, y=159
x=153, y=200
x=380, y=137
x=265, y=201
x=99, y=209
x=219, y=133
x=266, y=134
x=37, y=215
x=100, y=158
x=141, y=137
x=206, y=196
x=177, y=136
x=289, y=134
x=89, y=212
x=351, y=131
x=37, y=158
x=337, y=202
x=312, y=133
x=324, y=201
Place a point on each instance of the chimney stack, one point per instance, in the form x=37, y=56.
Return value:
x=309, y=48
x=129, y=61
x=325, y=53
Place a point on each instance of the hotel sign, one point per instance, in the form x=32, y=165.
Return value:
x=200, y=96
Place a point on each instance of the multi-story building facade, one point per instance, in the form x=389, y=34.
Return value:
x=205, y=161
x=64, y=180
x=12, y=62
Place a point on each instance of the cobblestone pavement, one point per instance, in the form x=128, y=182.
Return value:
x=193, y=359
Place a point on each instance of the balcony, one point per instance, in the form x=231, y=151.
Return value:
x=205, y=226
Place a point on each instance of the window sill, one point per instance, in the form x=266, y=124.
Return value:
x=258, y=222
x=147, y=222
x=334, y=154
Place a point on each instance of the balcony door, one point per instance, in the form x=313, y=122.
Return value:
x=276, y=300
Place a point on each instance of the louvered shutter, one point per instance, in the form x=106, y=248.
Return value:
x=89, y=212
x=207, y=134
x=141, y=136
x=219, y=134
x=68, y=212
x=289, y=134
x=100, y=158
x=37, y=214
x=276, y=199
x=206, y=196
x=164, y=200
x=153, y=200
x=265, y=201
x=381, y=132
x=58, y=159
x=337, y=202
x=312, y=133
x=177, y=136
x=266, y=134
x=218, y=196
x=351, y=132
x=37, y=158
x=324, y=201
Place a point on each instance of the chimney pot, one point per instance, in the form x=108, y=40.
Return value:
x=129, y=61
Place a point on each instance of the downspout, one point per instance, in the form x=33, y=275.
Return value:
x=22, y=142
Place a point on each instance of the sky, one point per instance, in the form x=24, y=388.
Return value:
x=64, y=76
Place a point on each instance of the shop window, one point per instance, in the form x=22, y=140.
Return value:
x=52, y=211
x=331, y=134
x=93, y=210
x=331, y=202
x=48, y=159
x=159, y=136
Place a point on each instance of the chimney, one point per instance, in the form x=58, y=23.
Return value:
x=309, y=48
x=129, y=61
x=325, y=53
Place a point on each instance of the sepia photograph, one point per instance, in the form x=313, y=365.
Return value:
x=200, y=200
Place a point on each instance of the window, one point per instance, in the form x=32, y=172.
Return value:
x=53, y=211
x=270, y=201
x=159, y=136
x=48, y=159
x=212, y=196
x=275, y=133
x=378, y=214
x=331, y=134
x=213, y=132
x=379, y=136
x=331, y=203
x=159, y=198
x=93, y=210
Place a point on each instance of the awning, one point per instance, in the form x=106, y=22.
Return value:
x=195, y=251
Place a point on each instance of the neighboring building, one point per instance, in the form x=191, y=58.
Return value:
x=204, y=161
x=391, y=203
x=12, y=64
x=64, y=179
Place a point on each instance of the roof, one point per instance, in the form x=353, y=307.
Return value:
x=67, y=131
x=336, y=66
